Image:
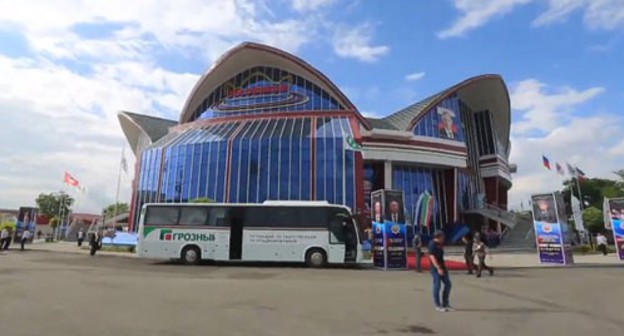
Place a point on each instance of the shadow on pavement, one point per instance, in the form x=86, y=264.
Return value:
x=513, y=310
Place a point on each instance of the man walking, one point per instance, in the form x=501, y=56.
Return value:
x=439, y=273
x=481, y=251
x=417, y=243
x=468, y=253
x=601, y=242
x=4, y=236
x=94, y=241
x=80, y=237
x=25, y=237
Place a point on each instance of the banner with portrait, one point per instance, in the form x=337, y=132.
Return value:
x=616, y=211
x=26, y=221
x=389, y=231
x=549, y=230
x=378, y=228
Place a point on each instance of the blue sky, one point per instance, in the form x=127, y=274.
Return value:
x=83, y=61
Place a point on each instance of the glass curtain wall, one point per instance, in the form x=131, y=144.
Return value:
x=252, y=161
x=414, y=181
x=265, y=90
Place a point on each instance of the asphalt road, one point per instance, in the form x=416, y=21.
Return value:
x=56, y=294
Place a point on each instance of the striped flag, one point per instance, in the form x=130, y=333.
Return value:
x=580, y=174
x=559, y=169
x=70, y=180
x=546, y=162
x=424, y=208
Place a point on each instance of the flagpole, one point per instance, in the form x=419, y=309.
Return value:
x=118, y=185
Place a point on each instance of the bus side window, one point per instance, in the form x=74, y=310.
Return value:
x=217, y=216
x=192, y=215
x=255, y=216
x=162, y=215
x=282, y=217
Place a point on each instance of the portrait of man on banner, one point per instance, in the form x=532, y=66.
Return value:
x=544, y=209
x=377, y=207
x=394, y=207
x=446, y=127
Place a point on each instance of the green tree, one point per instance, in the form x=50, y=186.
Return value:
x=8, y=224
x=202, y=200
x=593, y=219
x=594, y=191
x=53, y=204
x=115, y=209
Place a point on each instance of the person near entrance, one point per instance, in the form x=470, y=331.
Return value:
x=439, y=273
x=94, y=241
x=80, y=238
x=481, y=251
x=601, y=242
x=417, y=243
x=25, y=236
x=468, y=252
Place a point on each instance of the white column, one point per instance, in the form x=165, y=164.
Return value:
x=387, y=174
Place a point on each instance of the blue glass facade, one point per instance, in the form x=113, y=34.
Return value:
x=252, y=161
x=414, y=181
x=265, y=90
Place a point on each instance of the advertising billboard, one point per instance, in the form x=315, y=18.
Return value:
x=389, y=231
x=551, y=234
x=616, y=211
x=25, y=222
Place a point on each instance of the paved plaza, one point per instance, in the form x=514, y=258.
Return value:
x=63, y=294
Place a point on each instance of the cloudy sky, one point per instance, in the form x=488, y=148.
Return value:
x=68, y=66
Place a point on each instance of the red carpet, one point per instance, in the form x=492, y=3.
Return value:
x=424, y=263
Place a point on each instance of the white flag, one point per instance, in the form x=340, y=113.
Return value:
x=577, y=214
x=606, y=212
x=124, y=163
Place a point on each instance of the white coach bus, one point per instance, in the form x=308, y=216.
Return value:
x=316, y=233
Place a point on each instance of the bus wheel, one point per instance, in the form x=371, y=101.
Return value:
x=316, y=258
x=191, y=255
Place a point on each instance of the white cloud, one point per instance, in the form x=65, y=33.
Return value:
x=543, y=111
x=598, y=14
x=355, y=42
x=415, y=76
x=476, y=13
x=310, y=5
x=591, y=142
x=59, y=101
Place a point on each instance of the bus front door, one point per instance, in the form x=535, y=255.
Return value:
x=236, y=239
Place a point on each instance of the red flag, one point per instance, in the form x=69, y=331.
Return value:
x=70, y=180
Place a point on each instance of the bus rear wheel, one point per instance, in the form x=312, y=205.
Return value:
x=316, y=258
x=191, y=255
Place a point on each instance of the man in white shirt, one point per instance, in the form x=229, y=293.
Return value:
x=601, y=242
x=25, y=236
x=4, y=236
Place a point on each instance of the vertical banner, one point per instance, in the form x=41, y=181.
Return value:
x=616, y=209
x=566, y=233
x=377, y=210
x=395, y=230
x=26, y=220
x=548, y=233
